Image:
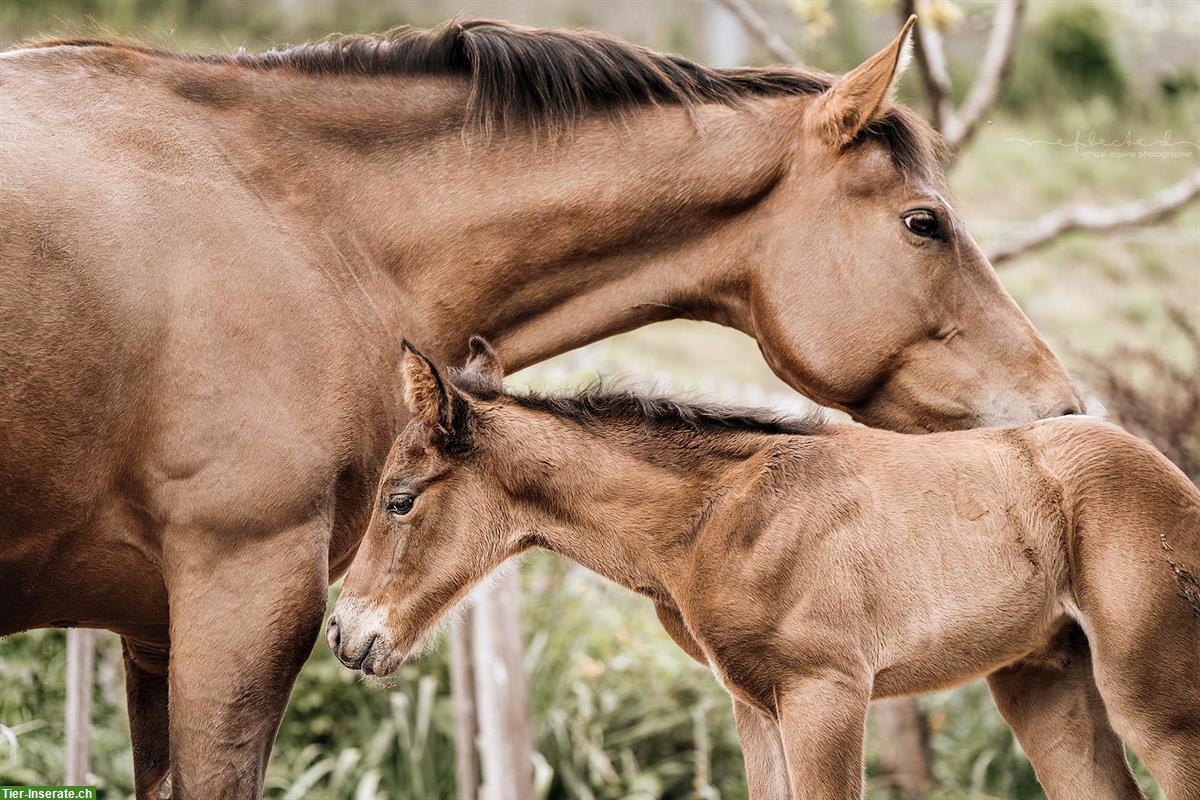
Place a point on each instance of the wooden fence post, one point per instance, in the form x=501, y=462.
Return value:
x=466, y=728
x=502, y=695
x=81, y=656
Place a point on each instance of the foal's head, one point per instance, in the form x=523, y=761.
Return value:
x=441, y=520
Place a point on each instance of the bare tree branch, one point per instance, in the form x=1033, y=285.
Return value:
x=1082, y=217
x=997, y=61
x=753, y=22
x=931, y=63
x=958, y=125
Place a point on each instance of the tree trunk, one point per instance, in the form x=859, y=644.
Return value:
x=903, y=736
x=502, y=696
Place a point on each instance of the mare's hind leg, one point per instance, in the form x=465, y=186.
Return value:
x=146, y=695
x=1052, y=705
x=245, y=612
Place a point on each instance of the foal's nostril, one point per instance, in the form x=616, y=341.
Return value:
x=334, y=635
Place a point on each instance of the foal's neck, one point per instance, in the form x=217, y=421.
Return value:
x=632, y=505
x=543, y=242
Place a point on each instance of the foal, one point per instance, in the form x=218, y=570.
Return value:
x=814, y=567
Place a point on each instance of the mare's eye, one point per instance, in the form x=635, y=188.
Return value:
x=923, y=223
x=400, y=504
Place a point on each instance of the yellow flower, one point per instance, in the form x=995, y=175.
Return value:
x=941, y=14
x=816, y=18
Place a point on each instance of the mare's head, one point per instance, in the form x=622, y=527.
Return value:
x=441, y=519
x=863, y=287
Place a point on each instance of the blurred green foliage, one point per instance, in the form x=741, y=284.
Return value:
x=1068, y=55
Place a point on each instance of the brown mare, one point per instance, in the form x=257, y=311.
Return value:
x=207, y=262
x=815, y=567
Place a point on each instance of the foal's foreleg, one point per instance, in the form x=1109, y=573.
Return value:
x=822, y=717
x=146, y=697
x=243, y=621
x=1052, y=705
x=762, y=748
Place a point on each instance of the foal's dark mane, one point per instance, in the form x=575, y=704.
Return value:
x=551, y=78
x=602, y=402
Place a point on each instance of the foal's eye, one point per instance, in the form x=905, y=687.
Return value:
x=923, y=223
x=400, y=504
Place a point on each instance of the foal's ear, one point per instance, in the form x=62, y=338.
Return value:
x=425, y=391
x=484, y=363
x=858, y=97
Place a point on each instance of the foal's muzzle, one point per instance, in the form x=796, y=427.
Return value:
x=359, y=644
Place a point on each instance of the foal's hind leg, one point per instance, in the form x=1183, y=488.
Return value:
x=1138, y=592
x=146, y=694
x=1148, y=671
x=1052, y=705
x=1149, y=676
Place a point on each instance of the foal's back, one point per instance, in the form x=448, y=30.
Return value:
x=959, y=552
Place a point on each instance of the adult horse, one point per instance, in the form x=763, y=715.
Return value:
x=207, y=264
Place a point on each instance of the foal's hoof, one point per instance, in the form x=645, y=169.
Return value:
x=164, y=789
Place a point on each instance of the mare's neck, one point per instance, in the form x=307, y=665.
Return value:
x=542, y=245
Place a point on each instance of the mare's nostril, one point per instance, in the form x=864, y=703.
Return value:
x=1070, y=409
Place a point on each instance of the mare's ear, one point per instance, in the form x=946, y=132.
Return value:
x=485, y=364
x=859, y=96
x=425, y=391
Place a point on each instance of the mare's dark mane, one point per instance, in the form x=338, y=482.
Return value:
x=552, y=78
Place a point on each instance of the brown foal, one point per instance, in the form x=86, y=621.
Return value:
x=207, y=264
x=815, y=567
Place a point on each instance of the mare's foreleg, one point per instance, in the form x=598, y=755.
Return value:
x=245, y=612
x=146, y=696
x=762, y=748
